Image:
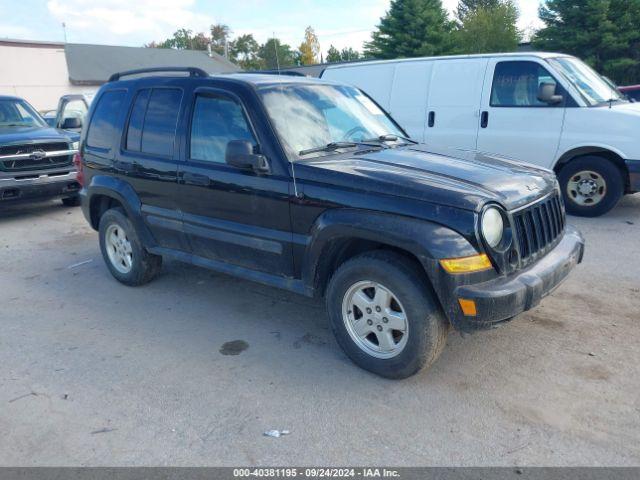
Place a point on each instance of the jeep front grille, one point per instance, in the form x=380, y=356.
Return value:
x=538, y=227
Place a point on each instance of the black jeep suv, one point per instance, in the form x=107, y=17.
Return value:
x=36, y=161
x=310, y=186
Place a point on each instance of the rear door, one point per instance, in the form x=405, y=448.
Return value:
x=232, y=215
x=513, y=121
x=454, y=101
x=147, y=161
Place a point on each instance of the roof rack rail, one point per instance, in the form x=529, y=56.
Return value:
x=193, y=72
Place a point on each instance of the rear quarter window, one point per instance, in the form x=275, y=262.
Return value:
x=160, y=120
x=103, y=127
x=153, y=121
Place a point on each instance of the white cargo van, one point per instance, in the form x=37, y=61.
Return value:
x=547, y=109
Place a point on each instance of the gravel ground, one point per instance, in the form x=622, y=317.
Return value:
x=96, y=373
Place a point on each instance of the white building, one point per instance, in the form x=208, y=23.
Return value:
x=41, y=72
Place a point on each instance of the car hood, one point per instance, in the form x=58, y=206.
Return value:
x=629, y=108
x=12, y=135
x=457, y=178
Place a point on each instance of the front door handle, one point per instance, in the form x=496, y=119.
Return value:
x=432, y=119
x=195, y=179
x=484, y=119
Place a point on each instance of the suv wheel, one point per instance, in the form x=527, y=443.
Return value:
x=591, y=186
x=384, y=316
x=127, y=259
x=71, y=201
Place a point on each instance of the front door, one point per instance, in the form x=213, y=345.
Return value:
x=231, y=215
x=513, y=122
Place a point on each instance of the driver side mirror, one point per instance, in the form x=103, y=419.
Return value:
x=71, y=123
x=240, y=154
x=547, y=94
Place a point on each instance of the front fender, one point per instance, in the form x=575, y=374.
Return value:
x=427, y=241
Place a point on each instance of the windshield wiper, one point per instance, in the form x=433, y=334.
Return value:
x=329, y=147
x=390, y=137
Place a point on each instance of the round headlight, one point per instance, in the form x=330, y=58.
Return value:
x=492, y=226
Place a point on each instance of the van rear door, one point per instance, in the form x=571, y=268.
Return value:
x=513, y=122
x=454, y=102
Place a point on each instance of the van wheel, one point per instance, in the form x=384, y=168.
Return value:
x=384, y=316
x=126, y=258
x=71, y=201
x=591, y=186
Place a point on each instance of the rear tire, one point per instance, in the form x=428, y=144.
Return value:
x=127, y=259
x=361, y=332
x=71, y=201
x=591, y=186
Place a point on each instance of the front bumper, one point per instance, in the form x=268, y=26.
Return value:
x=40, y=185
x=503, y=298
x=633, y=166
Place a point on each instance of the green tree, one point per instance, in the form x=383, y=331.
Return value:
x=220, y=35
x=412, y=28
x=604, y=33
x=310, y=47
x=183, y=39
x=467, y=6
x=271, y=60
x=489, y=29
x=244, y=51
x=349, y=54
x=333, y=55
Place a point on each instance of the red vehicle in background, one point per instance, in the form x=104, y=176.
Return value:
x=631, y=91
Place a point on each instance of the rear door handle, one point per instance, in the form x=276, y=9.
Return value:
x=195, y=179
x=432, y=119
x=484, y=119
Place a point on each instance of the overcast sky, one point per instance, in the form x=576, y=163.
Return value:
x=343, y=23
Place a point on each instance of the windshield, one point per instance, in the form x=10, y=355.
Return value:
x=588, y=82
x=307, y=117
x=18, y=113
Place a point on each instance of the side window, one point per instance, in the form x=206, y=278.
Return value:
x=136, y=120
x=516, y=84
x=216, y=121
x=159, y=125
x=103, y=124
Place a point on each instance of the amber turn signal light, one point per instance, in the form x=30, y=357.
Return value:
x=468, y=307
x=475, y=263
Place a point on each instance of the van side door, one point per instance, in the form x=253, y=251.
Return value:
x=455, y=91
x=513, y=121
x=408, y=101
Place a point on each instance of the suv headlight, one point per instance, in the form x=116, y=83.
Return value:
x=75, y=145
x=492, y=226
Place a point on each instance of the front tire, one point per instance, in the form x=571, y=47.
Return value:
x=127, y=260
x=591, y=186
x=384, y=316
